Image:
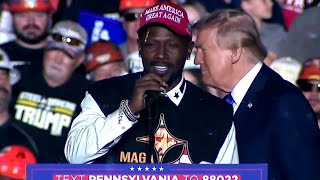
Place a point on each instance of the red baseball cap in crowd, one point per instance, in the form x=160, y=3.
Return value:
x=102, y=52
x=310, y=69
x=129, y=4
x=168, y=14
x=28, y=5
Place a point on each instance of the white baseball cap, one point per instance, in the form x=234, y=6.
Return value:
x=14, y=74
x=68, y=36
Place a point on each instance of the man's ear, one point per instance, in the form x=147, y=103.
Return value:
x=235, y=55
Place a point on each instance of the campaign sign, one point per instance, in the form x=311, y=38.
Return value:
x=146, y=172
x=99, y=27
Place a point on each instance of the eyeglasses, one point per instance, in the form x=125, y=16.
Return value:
x=71, y=41
x=306, y=86
x=131, y=16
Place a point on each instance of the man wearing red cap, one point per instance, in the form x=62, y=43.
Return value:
x=130, y=11
x=154, y=116
x=309, y=84
x=45, y=102
x=104, y=60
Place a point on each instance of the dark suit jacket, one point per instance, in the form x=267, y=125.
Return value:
x=276, y=125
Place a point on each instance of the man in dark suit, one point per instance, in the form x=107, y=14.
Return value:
x=274, y=122
x=154, y=116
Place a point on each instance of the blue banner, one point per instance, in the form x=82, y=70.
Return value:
x=99, y=27
x=147, y=172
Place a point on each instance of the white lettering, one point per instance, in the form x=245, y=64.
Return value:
x=27, y=114
x=30, y=96
x=171, y=10
x=152, y=15
x=70, y=177
x=151, y=10
x=132, y=177
x=96, y=30
x=145, y=177
x=61, y=103
x=172, y=17
x=43, y=119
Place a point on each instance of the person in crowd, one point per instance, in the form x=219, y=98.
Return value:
x=45, y=102
x=151, y=114
x=271, y=34
x=195, y=11
x=31, y=25
x=292, y=8
x=13, y=162
x=277, y=16
x=104, y=60
x=274, y=122
x=10, y=133
x=309, y=83
x=12, y=137
x=6, y=30
x=303, y=40
x=288, y=68
x=130, y=11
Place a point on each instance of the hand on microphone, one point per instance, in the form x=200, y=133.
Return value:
x=148, y=85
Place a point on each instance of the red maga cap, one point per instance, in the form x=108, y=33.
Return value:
x=168, y=14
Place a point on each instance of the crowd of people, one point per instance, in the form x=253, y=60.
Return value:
x=225, y=82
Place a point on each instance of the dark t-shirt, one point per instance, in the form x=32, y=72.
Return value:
x=22, y=55
x=46, y=113
x=12, y=134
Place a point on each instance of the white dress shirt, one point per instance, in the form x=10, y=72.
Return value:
x=238, y=94
x=92, y=134
x=241, y=88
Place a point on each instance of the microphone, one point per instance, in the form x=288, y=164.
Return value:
x=151, y=97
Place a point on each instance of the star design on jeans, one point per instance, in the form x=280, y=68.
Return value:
x=176, y=95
